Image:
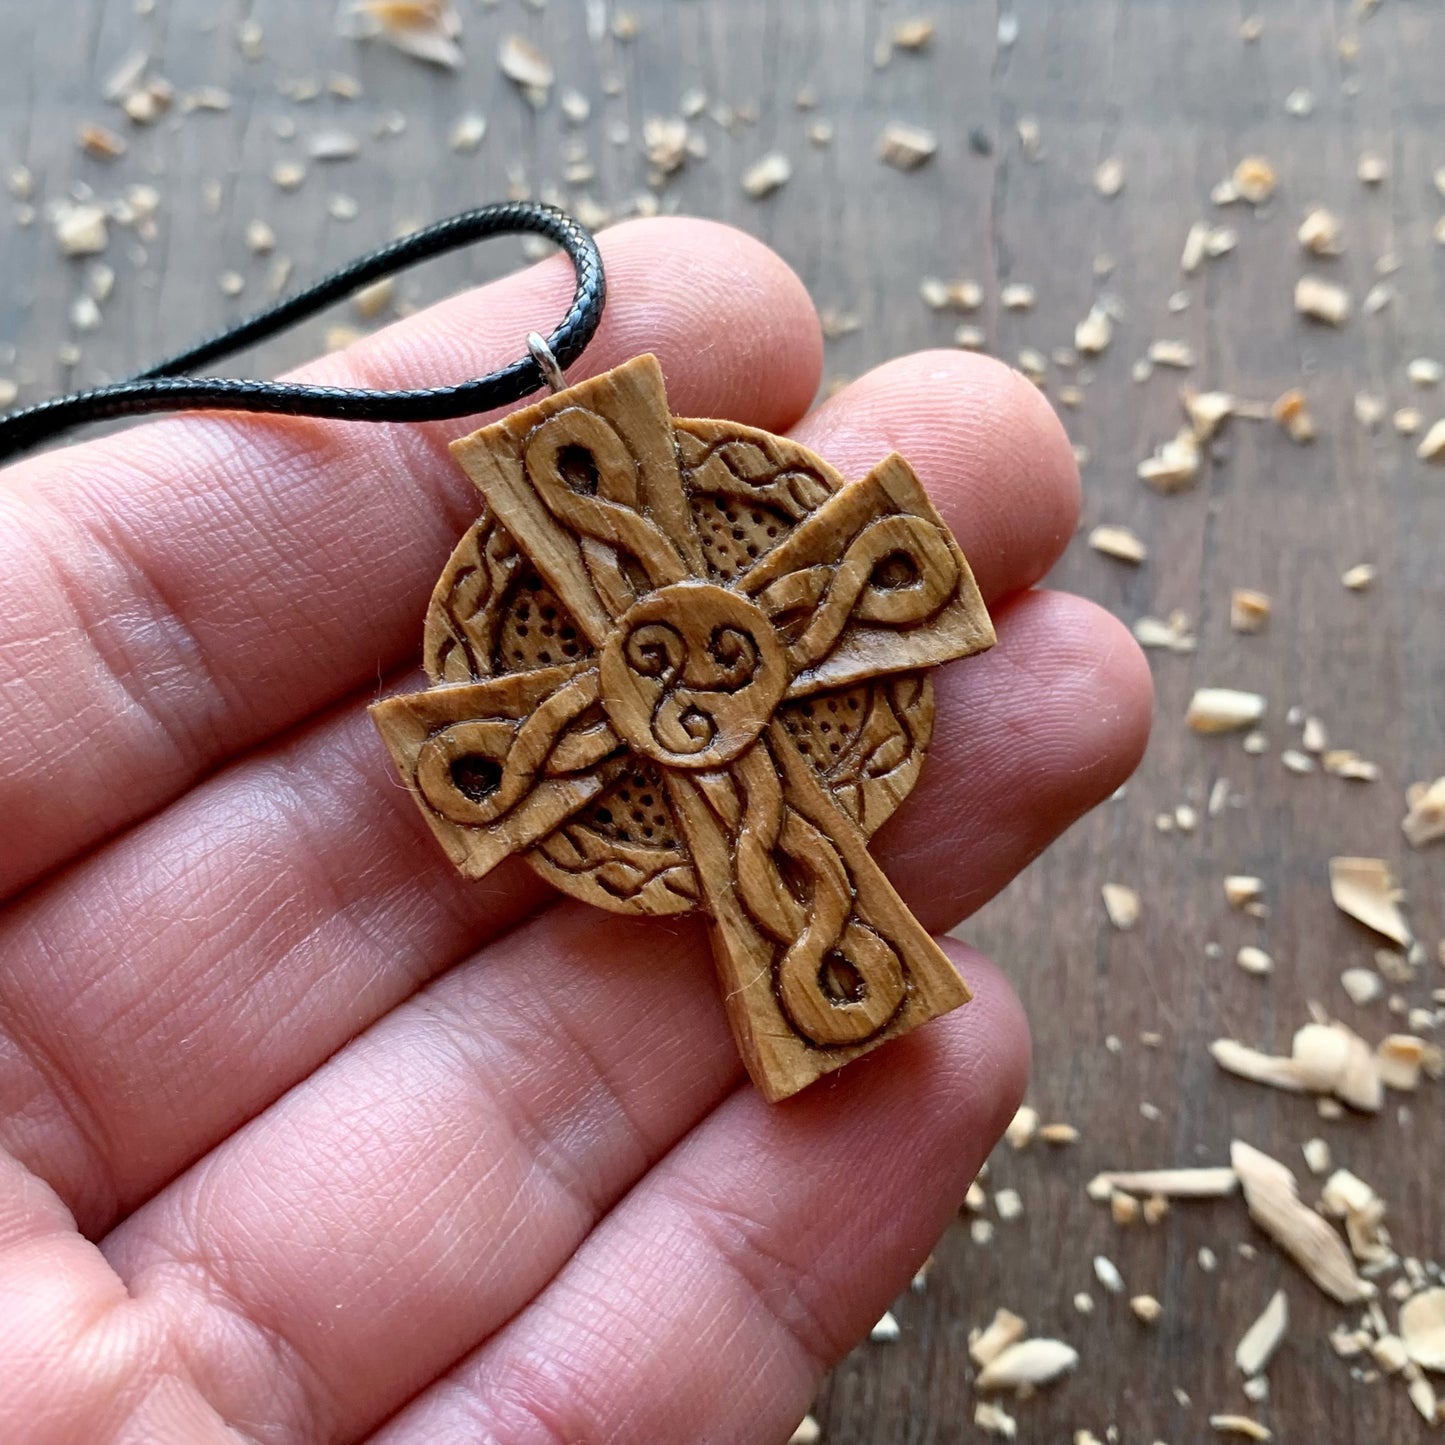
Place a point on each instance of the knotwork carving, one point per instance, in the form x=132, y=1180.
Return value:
x=683, y=665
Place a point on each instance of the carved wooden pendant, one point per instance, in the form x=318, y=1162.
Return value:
x=684, y=665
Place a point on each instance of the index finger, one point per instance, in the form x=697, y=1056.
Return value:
x=188, y=588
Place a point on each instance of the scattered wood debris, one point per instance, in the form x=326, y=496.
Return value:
x=1359, y=577
x=1093, y=334
x=1240, y=1425
x=809, y=1432
x=1322, y=300
x=1422, y=1328
x=1324, y=1059
x=1254, y=180
x=1254, y=960
x=995, y=1420
x=906, y=147
x=1027, y=1364
x=426, y=30
x=1223, y=709
x=1424, y=820
x=1319, y=232
x=1017, y=296
x=527, y=66
x=1241, y=889
x=1273, y=1200
x=886, y=1330
x=81, y=229
x=939, y=295
x=1363, y=888
x=1005, y=1330
x=767, y=175
x=1171, y=634
x=1121, y=903
x=1109, y=177
x=100, y=143
x=916, y=34
x=1292, y=412
x=1432, y=445
x=1372, y=169
x=1146, y=1308
x=1118, y=542
x=1174, y=467
x=1257, y=1346
x=1248, y=610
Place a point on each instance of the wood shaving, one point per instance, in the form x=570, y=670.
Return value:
x=1146, y=1308
x=1093, y=334
x=1121, y=903
x=1317, y=1155
x=665, y=143
x=1248, y=610
x=1004, y=1330
x=1107, y=1273
x=288, y=175
x=1017, y=296
x=333, y=145
x=1296, y=761
x=1424, y=820
x=1259, y=1068
x=906, y=147
x=1178, y=354
x=1171, y=634
x=81, y=229
x=1206, y=410
x=1400, y=1058
x=1109, y=177
x=1372, y=169
x=1239, y=1425
x=1422, y=1328
x=1322, y=300
x=1223, y=709
x=467, y=133
x=1319, y=232
x=1027, y=1364
x=1257, y=1346
x=995, y=1420
x=1059, y=1134
x=809, y=1432
x=426, y=30
x=1254, y=960
x=915, y=34
x=941, y=295
x=100, y=143
x=1425, y=371
x=767, y=175
x=525, y=64
x=1369, y=410
x=1009, y=1204
x=1174, y=467
x=1123, y=1208
x=886, y=1329
x=1359, y=577
x=1363, y=889
x=1240, y=888
x=1407, y=420
x=1254, y=180
x=1022, y=1127
x=1119, y=543
x=1432, y=445
x=1292, y=412
x=1271, y=1195
x=1362, y=985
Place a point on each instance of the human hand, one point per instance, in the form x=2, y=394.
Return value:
x=307, y=1138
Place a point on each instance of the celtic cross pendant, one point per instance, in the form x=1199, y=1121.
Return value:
x=683, y=665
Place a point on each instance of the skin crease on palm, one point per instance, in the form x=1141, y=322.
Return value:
x=305, y=1138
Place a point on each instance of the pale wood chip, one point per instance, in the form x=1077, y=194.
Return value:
x=1317, y=1155
x=1254, y=180
x=1400, y=1058
x=1407, y=420
x=1359, y=577
x=1372, y=169
x=524, y=63
x=1425, y=371
x=1027, y=1364
x=1009, y=1204
x=1059, y=1134
x=1254, y=960
x=1196, y=243
x=1109, y=177
x=1107, y=1273
x=915, y=34
x=1022, y=1127
x=1271, y=1195
x=1194, y=1183
x=1319, y=232
x=1292, y=413
x=995, y=1420
x=1206, y=410
x=1424, y=820
x=1174, y=467
x=1093, y=334
x=1240, y=889
x=941, y=295
x=467, y=133
x=906, y=147
x=1248, y=610
x=1422, y=1328
x=1432, y=444
x=426, y=30
x=1178, y=354
x=1257, y=1346
x=1171, y=634
x=1362, y=985
x=1121, y=903
x=886, y=1329
x=1223, y=709
x=1017, y=296
x=1146, y=1308
x=1118, y=542
x=764, y=176
x=81, y=229
x=1259, y=1068
x=1322, y=300
x=1004, y=1330
x=809, y=1432
x=1239, y=1425
x=1363, y=889
x=102, y=144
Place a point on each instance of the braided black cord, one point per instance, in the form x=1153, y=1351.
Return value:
x=166, y=388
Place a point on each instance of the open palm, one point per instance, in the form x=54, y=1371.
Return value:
x=305, y=1138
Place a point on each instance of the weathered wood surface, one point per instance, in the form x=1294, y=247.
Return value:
x=1170, y=89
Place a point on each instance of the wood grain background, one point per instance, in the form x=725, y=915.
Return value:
x=1171, y=90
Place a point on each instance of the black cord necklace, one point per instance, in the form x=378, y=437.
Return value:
x=166, y=387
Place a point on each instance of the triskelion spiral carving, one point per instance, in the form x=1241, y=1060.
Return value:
x=683, y=665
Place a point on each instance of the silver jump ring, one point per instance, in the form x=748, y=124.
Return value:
x=546, y=361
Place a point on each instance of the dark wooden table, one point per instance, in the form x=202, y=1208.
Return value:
x=1173, y=91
